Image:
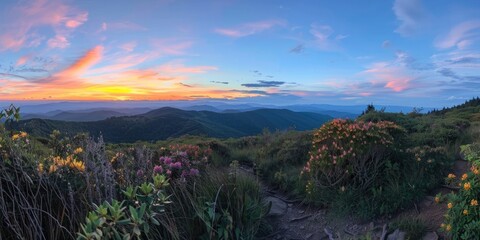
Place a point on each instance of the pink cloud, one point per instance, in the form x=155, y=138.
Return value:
x=398, y=84
x=23, y=59
x=128, y=47
x=389, y=76
x=249, y=28
x=460, y=35
x=58, y=41
x=170, y=46
x=24, y=20
x=77, y=20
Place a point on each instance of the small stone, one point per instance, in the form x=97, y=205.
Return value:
x=302, y=227
x=430, y=236
x=397, y=235
x=279, y=207
x=301, y=211
x=290, y=205
x=309, y=236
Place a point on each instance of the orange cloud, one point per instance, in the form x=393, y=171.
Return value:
x=80, y=82
x=83, y=63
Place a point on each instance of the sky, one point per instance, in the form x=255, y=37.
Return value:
x=397, y=52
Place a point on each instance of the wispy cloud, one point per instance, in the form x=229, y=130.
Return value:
x=171, y=46
x=21, y=31
x=219, y=82
x=460, y=36
x=129, y=46
x=298, y=49
x=249, y=28
x=324, y=37
x=263, y=84
x=410, y=15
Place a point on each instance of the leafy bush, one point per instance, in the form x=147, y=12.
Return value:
x=349, y=155
x=365, y=168
x=130, y=219
x=463, y=215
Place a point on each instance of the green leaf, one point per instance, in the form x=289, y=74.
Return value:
x=136, y=230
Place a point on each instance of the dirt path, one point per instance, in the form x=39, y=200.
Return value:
x=295, y=221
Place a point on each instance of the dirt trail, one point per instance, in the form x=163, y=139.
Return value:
x=295, y=221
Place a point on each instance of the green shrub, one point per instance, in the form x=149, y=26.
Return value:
x=463, y=215
x=130, y=219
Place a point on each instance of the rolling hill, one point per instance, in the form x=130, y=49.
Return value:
x=169, y=122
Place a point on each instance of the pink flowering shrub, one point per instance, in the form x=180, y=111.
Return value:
x=348, y=154
x=178, y=165
x=195, y=153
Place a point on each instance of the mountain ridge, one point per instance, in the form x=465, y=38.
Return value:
x=167, y=122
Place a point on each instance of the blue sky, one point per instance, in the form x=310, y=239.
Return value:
x=400, y=52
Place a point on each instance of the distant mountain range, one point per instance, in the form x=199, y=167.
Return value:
x=169, y=122
x=94, y=111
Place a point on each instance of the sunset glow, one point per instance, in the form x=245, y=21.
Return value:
x=308, y=52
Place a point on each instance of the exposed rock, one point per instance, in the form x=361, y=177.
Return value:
x=397, y=235
x=430, y=236
x=278, y=208
x=353, y=230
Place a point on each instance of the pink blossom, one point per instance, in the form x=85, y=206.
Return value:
x=158, y=169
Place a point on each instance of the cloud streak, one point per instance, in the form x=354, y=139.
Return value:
x=248, y=29
x=263, y=84
x=460, y=36
x=410, y=15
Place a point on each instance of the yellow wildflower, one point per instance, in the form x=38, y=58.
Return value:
x=467, y=186
x=78, y=150
x=450, y=205
x=52, y=169
x=474, y=202
x=437, y=199
x=451, y=176
x=15, y=137
x=464, y=177
x=78, y=165
x=23, y=134
x=442, y=225
x=475, y=170
x=465, y=212
x=40, y=168
x=449, y=227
